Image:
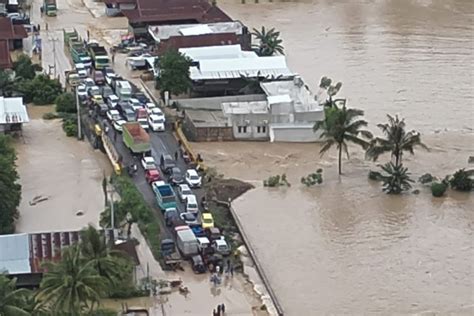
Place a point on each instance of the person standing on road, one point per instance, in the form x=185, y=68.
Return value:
x=176, y=155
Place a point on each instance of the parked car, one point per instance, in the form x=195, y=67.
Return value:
x=148, y=163
x=129, y=115
x=203, y=244
x=176, y=177
x=184, y=191
x=156, y=123
x=193, y=179
x=101, y=108
x=112, y=101
x=198, y=264
x=191, y=204
x=149, y=106
x=157, y=111
x=167, y=163
x=189, y=218
x=106, y=91
x=207, y=220
x=98, y=77
x=171, y=217
x=140, y=96
x=134, y=104
x=82, y=92
x=94, y=91
x=221, y=246
x=152, y=175
x=118, y=125
x=89, y=83
x=113, y=115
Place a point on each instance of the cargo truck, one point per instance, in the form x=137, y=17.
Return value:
x=165, y=196
x=79, y=54
x=186, y=241
x=171, y=257
x=136, y=138
x=99, y=55
x=69, y=34
x=49, y=7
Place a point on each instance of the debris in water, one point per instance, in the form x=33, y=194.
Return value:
x=37, y=199
x=80, y=213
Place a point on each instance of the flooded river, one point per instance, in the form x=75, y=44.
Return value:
x=345, y=247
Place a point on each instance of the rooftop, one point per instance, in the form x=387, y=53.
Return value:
x=163, y=32
x=5, y=59
x=15, y=254
x=253, y=107
x=12, y=110
x=9, y=31
x=163, y=11
x=216, y=52
x=206, y=118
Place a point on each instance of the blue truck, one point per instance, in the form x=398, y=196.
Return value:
x=165, y=196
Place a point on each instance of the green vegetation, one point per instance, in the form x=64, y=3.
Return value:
x=340, y=126
x=6, y=83
x=269, y=42
x=438, y=189
x=426, y=178
x=23, y=67
x=276, y=181
x=461, y=180
x=396, y=178
x=10, y=190
x=375, y=175
x=65, y=103
x=174, y=73
x=313, y=178
x=397, y=140
x=326, y=85
x=70, y=126
x=13, y=301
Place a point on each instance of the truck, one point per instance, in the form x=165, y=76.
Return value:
x=136, y=138
x=171, y=256
x=123, y=90
x=186, y=242
x=164, y=194
x=79, y=54
x=49, y=7
x=69, y=34
x=99, y=55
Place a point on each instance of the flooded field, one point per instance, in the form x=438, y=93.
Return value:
x=345, y=247
x=66, y=172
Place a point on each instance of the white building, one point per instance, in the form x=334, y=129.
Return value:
x=12, y=114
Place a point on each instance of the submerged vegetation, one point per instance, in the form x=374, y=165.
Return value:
x=276, y=181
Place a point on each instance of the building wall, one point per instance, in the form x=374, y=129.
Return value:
x=206, y=134
x=300, y=134
x=311, y=116
x=177, y=42
x=250, y=126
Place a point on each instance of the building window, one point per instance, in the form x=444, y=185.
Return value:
x=261, y=129
x=242, y=129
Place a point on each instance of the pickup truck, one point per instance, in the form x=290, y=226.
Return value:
x=171, y=257
x=136, y=138
x=165, y=196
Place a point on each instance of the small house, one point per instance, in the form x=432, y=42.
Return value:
x=13, y=114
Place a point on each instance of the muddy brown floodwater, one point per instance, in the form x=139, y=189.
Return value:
x=345, y=247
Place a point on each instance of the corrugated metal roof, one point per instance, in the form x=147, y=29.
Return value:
x=215, y=52
x=12, y=110
x=5, y=59
x=196, y=30
x=232, y=68
x=14, y=254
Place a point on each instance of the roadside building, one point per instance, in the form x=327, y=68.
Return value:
x=174, y=37
x=163, y=12
x=13, y=114
x=227, y=70
x=13, y=34
x=116, y=7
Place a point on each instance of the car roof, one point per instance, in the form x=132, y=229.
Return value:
x=155, y=117
x=191, y=198
x=192, y=172
x=112, y=96
x=114, y=112
x=155, y=171
x=207, y=215
x=148, y=159
x=184, y=186
x=220, y=242
x=120, y=122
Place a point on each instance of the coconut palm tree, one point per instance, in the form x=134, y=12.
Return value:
x=340, y=126
x=12, y=300
x=397, y=178
x=110, y=264
x=71, y=286
x=396, y=141
x=269, y=42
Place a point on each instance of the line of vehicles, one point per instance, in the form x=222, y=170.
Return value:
x=131, y=113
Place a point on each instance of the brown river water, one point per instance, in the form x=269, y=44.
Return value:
x=345, y=247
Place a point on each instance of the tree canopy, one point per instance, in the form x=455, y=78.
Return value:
x=13, y=301
x=174, y=72
x=10, y=190
x=269, y=42
x=66, y=103
x=24, y=67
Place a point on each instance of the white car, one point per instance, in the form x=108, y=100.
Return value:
x=157, y=111
x=157, y=124
x=149, y=107
x=113, y=115
x=134, y=104
x=148, y=163
x=112, y=101
x=118, y=125
x=221, y=246
x=191, y=204
x=82, y=92
x=193, y=179
x=143, y=123
x=184, y=191
x=89, y=83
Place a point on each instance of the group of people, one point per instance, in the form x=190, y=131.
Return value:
x=219, y=311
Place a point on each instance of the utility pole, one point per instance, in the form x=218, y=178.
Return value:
x=112, y=210
x=78, y=110
x=54, y=40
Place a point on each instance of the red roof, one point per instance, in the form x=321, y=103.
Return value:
x=9, y=31
x=5, y=60
x=160, y=11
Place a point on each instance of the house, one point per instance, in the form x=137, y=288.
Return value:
x=116, y=7
x=165, y=12
x=227, y=70
x=174, y=37
x=12, y=114
x=11, y=37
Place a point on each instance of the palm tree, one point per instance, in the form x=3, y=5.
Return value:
x=12, y=300
x=72, y=285
x=397, y=178
x=396, y=142
x=110, y=264
x=269, y=42
x=340, y=126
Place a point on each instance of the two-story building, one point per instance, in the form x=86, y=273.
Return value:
x=11, y=37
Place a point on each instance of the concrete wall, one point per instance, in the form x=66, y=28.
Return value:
x=300, y=134
x=250, y=126
x=214, y=103
x=206, y=134
x=176, y=42
x=311, y=116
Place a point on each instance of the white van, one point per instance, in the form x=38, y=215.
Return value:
x=156, y=123
x=191, y=204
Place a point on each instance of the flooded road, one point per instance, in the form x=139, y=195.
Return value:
x=345, y=247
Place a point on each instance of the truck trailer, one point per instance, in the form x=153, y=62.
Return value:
x=136, y=138
x=186, y=242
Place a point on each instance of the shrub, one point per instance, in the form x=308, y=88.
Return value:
x=375, y=175
x=50, y=116
x=276, y=181
x=66, y=102
x=438, y=189
x=313, y=178
x=70, y=127
x=426, y=178
x=24, y=67
x=461, y=181
x=41, y=90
